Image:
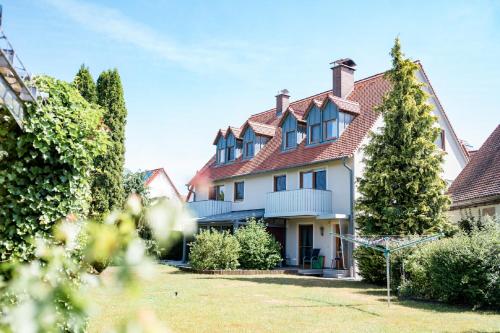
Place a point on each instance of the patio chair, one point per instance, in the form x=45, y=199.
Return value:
x=311, y=259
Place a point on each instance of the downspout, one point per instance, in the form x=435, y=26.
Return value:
x=350, y=227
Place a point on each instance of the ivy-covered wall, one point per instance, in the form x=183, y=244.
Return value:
x=45, y=170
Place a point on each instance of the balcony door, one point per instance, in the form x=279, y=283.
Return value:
x=305, y=241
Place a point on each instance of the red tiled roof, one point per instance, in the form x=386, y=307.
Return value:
x=481, y=176
x=235, y=130
x=367, y=94
x=260, y=129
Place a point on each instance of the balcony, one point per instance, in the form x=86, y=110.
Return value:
x=209, y=207
x=302, y=202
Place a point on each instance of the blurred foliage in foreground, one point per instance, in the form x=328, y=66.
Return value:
x=49, y=294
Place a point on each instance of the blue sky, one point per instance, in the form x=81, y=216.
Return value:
x=191, y=67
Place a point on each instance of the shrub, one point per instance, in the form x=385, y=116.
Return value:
x=214, y=250
x=259, y=249
x=464, y=269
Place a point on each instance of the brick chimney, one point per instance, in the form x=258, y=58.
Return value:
x=343, y=77
x=282, y=102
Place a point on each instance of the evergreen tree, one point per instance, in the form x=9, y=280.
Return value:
x=402, y=191
x=108, y=181
x=84, y=82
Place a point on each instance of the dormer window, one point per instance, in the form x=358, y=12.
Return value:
x=314, y=133
x=220, y=155
x=230, y=153
x=330, y=129
x=248, y=149
x=290, y=139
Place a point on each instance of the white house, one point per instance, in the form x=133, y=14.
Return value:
x=295, y=165
x=160, y=185
x=476, y=190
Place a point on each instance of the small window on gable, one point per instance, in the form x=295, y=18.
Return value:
x=441, y=140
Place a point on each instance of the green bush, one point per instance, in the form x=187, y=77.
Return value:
x=259, y=249
x=464, y=269
x=214, y=250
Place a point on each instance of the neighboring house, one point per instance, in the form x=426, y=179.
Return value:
x=160, y=185
x=476, y=190
x=296, y=164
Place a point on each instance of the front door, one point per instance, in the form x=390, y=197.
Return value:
x=305, y=241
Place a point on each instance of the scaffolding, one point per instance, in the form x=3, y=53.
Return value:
x=15, y=90
x=388, y=244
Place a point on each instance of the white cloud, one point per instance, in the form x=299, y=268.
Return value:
x=113, y=24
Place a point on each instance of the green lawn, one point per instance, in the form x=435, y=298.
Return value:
x=280, y=303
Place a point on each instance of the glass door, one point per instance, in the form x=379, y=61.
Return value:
x=305, y=242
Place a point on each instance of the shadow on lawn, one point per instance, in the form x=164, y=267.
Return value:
x=323, y=304
x=299, y=282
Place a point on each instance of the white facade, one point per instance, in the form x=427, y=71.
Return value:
x=492, y=210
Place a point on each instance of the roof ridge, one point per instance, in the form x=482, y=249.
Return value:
x=321, y=93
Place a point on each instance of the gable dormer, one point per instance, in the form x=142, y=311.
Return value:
x=255, y=136
x=327, y=120
x=220, y=150
x=234, y=144
x=292, y=130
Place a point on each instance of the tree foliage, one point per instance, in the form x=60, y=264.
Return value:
x=134, y=183
x=45, y=170
x=84, y=82
x=51, y=293
x=259, y=249
x=402, y=191
x=107, y=188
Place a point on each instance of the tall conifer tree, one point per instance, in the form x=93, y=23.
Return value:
x=402, y=191
x=84, y=82
x=108, y=183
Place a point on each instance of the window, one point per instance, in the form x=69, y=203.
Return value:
x=344, y=120
x=330, y=129
x=306, y=179
x=314, y=133
x=490, y=211
x=248, y=149
x=230, y=153
x=290, y=139
x=279, y=183
x=313, y=179
x=320, y=180
x=239, y=191
x=440, y=141
x=216, y=193
x=220, y=156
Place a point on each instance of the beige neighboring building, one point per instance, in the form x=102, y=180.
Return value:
x=476, y=190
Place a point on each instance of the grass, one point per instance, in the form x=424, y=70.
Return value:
x=280, y=303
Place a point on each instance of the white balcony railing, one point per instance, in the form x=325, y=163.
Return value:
x=302, y=202
x=209, y=207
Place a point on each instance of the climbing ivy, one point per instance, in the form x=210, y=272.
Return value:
x=45, y=170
